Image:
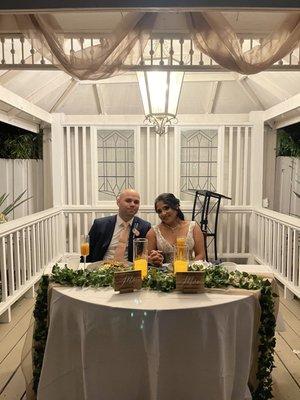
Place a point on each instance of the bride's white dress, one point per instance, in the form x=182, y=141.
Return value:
x=167, y=248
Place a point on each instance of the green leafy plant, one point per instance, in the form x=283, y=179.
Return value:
x=215, y=277
x=288, y=143
x=40, y=314
x=17, y=202
x=17, y=143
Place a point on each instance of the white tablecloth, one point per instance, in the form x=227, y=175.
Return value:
x=147, y=346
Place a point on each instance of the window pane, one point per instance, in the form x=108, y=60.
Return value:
x=198, y=161
x=115, y=162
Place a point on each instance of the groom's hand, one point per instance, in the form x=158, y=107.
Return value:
x=156, y=258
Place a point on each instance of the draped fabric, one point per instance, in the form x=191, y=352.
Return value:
x=124, y=46
x=214, y=36
x=210, y=31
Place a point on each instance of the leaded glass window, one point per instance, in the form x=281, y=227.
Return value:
x=115, y=162
x=198, y=161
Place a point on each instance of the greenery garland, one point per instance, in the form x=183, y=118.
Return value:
x=215, y=277
x=40, y=314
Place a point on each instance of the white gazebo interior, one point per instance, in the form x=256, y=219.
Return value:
x=96, y=142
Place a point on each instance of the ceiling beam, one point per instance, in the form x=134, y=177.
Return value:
x=21, y=104
x=286, y=120
x=146, y=4
x=19, y=122
x=243, y=83
x=212, y=97
x=64, y=96
x=269, y=85
x=130, y=77
x=293, y=103
x=183, y=119
x=99, y=98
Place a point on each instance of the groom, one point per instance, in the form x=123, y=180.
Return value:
x=112, y=237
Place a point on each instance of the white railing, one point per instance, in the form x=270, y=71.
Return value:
x=233, y=231
x=180, y=51
x=27, y=246
x=276, y=242
x=30, y=244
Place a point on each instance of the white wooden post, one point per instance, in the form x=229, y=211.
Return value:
x=269, y=167
x=47, y=168
x=257, y=158
x=57, y=159
x=53, y=163
x=256, y=171
x=53, y=158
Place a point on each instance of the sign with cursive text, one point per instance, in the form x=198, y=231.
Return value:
x=126, y=282
x=190, y=282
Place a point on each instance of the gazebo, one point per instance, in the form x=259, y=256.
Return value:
x=98, y=137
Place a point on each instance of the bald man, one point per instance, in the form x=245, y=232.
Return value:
x=106, y=233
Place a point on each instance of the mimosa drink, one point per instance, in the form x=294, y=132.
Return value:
x=180, y=266
x=141, y=264
x=85, y=249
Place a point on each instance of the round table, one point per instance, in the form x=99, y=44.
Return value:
x=148, y=345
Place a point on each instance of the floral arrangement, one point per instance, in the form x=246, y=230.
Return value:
x=17, y=202
x=216, y=276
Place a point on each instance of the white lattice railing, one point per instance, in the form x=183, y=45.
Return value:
x=27, y=246
x=179, y=50
x=276, y=242
x=30, y=244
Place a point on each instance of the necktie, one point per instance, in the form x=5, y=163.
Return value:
x=123, y=239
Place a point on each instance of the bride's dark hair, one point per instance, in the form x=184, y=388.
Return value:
x=171, y=201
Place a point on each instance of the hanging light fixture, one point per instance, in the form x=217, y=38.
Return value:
x=160, y=91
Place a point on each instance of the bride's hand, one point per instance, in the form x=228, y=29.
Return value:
x=156, y=257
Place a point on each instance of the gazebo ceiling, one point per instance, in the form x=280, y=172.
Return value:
x=202, y=93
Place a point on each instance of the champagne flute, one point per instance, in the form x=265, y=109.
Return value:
x=84, y=247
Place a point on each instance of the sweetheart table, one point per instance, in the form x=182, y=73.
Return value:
x=148, y=345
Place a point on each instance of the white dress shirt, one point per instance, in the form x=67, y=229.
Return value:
x=110, y=253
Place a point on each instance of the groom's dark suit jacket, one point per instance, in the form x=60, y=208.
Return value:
x=102, y=232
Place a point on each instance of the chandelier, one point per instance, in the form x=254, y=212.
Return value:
x=160, y=91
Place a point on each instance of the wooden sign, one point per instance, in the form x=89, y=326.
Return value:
x=126, y=282
x=190, y=282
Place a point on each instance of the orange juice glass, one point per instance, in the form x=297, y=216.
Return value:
x=181, y=260
x=140, y=255
x=180, y=266
x=142, y=265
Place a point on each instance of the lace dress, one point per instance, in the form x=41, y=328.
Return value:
x=168, y=248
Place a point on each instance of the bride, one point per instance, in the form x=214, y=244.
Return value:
x=162, y=237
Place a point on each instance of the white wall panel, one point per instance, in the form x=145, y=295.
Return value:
x=15, y=177
x=78, y=176
x=235, y=177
